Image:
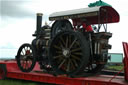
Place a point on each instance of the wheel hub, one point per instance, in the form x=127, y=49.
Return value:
x=66, y=52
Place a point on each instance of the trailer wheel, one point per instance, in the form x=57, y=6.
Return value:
x=60, y=25
x=3, y=71
x=69, y=53
x=26, y=58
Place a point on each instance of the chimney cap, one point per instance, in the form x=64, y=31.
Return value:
x=39, y=14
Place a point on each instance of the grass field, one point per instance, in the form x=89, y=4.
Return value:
x=20, y=82
x=115, y=68
x=118, y=68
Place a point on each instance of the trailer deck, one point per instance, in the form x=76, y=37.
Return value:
x=11, y=70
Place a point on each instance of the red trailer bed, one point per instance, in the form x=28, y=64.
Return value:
x=10, y=69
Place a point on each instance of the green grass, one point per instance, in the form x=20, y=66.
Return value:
x=20, y=82
x=115, y=68
x=16, y=82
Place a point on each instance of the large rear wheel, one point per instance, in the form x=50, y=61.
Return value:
x=26, y=58
x=69, y=52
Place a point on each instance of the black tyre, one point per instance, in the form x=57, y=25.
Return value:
x=26, y=58
x=59, y=26
x=69, y=53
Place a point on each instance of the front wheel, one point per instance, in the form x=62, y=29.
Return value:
x=26, y=58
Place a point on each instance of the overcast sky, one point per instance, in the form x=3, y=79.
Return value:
x=18, y=19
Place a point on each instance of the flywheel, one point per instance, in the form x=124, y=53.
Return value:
x=60, y=25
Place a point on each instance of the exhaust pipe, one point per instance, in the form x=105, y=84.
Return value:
x=39, y=24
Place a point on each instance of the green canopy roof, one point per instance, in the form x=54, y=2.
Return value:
x=98, y=3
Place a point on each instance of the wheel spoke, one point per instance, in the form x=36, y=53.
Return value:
x=75, y=63
x=72, y=65
x=30, y=56
x=62, y=63
x=73, y=43
x=26, y=65
x=62, y=41
x=22, y=52
x=68, y=66
x=67, y=42
x=77, y=53
x=70, y=39
x=61, y=45
x=23, y=64
x=30, y=63
x=77, y=43
x=59, y=56
x=57, y=47
x=75, y=57
x=22, y=57
x=76, y=49
x=60, y=59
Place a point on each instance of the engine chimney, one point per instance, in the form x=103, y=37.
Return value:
x=39, y=24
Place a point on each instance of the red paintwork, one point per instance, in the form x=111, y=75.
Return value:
x=38, y=76
x=106, y=14
x=78, y=22
x=1, y=73
x=111, y=17
x=89, y=28
x=125, y=46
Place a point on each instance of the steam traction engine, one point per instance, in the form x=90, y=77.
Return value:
x=74, y=44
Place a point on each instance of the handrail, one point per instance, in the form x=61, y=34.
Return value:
x=125, y=61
